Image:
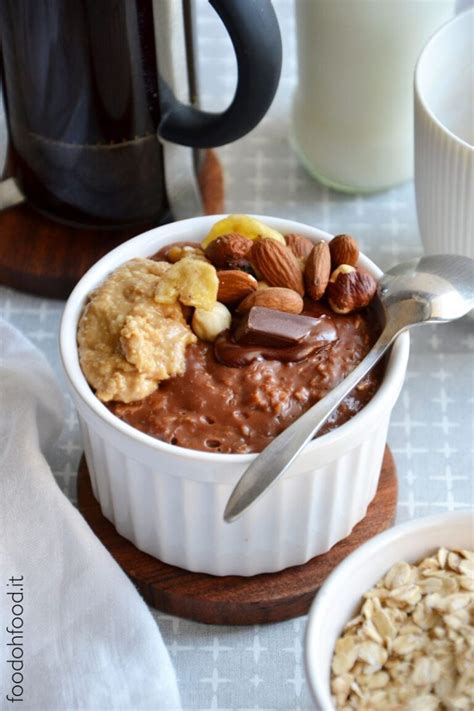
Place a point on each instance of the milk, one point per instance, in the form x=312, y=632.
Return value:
x=352, y=120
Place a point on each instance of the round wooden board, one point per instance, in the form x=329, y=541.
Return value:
x=235, y=600
x=48, y=258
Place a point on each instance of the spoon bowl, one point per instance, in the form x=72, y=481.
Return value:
x=441, y=285
x=431, y=289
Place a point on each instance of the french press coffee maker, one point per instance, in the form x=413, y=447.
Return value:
x=101, y=100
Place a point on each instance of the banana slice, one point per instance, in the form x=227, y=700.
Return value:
x=191, y=281
x=243, y=224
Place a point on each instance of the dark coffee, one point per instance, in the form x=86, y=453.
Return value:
x=81, y=95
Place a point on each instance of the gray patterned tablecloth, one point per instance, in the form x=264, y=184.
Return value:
x=431, y=433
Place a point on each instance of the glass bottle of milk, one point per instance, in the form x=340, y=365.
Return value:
x=352, y=123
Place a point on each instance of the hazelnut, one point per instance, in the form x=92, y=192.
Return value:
x=208, y=324
x=341, y=269
x=344, y=250
x=177, y=252
x=349, y=289
x=229, y=252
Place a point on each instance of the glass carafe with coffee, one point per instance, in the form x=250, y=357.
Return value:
x=101, y=103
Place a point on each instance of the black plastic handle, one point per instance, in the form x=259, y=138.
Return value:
x=255, y=34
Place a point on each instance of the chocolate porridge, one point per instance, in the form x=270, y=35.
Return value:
x=217, y=408
x=221, y=347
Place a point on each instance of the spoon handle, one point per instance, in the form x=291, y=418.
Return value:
x=275, y=459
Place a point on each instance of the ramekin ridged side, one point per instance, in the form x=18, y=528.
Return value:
x=169, y=501
x=444, y=162
x=179, y=519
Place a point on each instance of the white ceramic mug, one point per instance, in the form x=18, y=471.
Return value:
x=444, y=138
x=352, y=121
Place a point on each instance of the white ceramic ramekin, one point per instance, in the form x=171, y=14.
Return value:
x=340, y=596
x=169, y=501
x=444, y=138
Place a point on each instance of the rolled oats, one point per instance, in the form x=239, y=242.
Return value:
x=346, y=654
x=467, y=567
x=411, y=647
x=370, y=631
x=408, y=594
x=399, y=574
x=383, y=621
x=372, y=653
x=454, y=560
x=442, y=556
x=467, y=582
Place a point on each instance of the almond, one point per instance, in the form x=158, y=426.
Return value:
x=344, y=250
x=318, y=270
x=299, y=245
x=274, y=297
x=229, y=251
x=277, y=264
x=234, y=285
x=350, y=289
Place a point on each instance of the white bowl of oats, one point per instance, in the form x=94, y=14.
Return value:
x=392, y=627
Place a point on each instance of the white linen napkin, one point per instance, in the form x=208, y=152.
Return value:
x=86, y=639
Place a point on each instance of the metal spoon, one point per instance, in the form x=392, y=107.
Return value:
x=431, y=289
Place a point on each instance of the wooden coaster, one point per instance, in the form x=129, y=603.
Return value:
x=48, y=258
x=234, y=600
